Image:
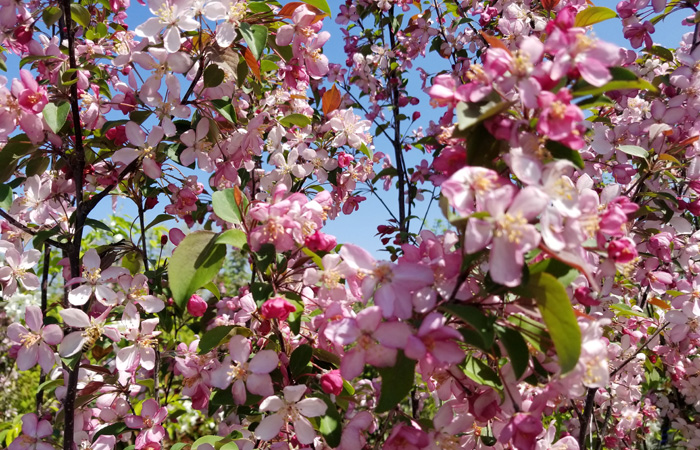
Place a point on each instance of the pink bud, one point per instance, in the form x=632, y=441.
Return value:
x=320, y=242
x=164, y=239
x=196, y=306
x=332, y=382
x=416, y=115
x=622, y=250
x=277, y=308
x=344, y=159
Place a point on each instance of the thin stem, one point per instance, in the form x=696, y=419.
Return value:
x=44, y=306
x=144, y=249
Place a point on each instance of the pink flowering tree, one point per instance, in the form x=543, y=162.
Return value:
x=558, y=306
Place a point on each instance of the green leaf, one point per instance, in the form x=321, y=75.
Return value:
x=179, y=446
x=477, y=320
x=299, y=120
x=518, y=353
x=194, y=263
x=80, y=14
x=633, y=150
x=206, y=440
x=561, y=271
x=226, y=109
x=268, y=66
x=329, y=425
x=213, y=75
x=222, y=397
x=50, y=384
x=366, y=151
x=471, y=114
x=5, y=196
x=213, y=338
x=98, y=225
x=561, y=151
x=225, y=207
x=661, y=52
x=160, y=218
x=32, y=58
x=622, y=309
x=557, y=313
x=36, y=165
x=255, y=37
x=51, y=15
x=314, y=257
x=300, y=359
x=488, y=147
x=621, y=79
x=110, y=430
x=397, y=382
x=480, y=372
x=593, y=15
x=320, y=4
x=237, y=238
x=594, y=102
x=211, y=287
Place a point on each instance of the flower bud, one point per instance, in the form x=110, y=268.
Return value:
x=320, y=242
x=196, y=306
x=277, y=308
x=622, y=250
x=332, y=382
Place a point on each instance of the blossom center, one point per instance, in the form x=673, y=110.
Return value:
x=92, y=274
x=558, y=109
x=510, y=227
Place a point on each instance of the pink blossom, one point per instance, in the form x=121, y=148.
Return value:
x=253, y=375
x=18, y=265
x=95, y=280
x=171, y=15
x=35, y=341
x=435, y=344
x=406, y=437
x=376, y=342
x=508, y=230
x=522, y=431
x=30, y=95
x=34, y=431
x=149, y=422
x=560, y=120
x=290, y=408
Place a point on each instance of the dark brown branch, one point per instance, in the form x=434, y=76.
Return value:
x=14, y=222
x=398, y=153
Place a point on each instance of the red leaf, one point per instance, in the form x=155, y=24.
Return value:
x=331, y=100
x=252, y=63
x=494, y=42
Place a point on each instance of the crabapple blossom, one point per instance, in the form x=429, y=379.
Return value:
x=35, y=340
x=34, y=432
x=290, y=408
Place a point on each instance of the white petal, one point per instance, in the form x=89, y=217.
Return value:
x=273, y=403
x=269, y=427
x=75, y=318
x=312, y=407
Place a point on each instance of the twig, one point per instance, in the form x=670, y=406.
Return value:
x=28, y=230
